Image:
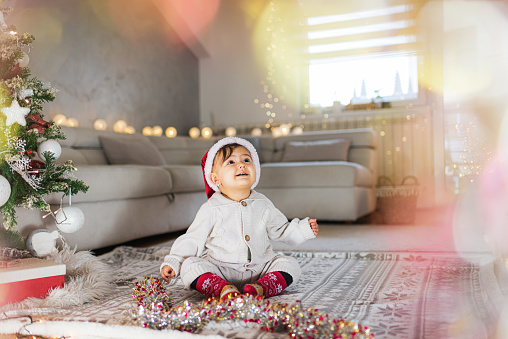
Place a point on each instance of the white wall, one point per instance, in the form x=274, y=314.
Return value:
x=229, y=78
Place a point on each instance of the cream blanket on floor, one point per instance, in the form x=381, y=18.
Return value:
x=423, y=294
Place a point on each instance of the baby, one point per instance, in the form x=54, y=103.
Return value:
x=227, y=247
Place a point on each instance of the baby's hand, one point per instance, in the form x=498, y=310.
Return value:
x=167, y=273
x=314, y=225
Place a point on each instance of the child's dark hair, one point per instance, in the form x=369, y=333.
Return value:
x=224, y=153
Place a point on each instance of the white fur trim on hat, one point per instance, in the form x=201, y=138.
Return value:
x=226, y=141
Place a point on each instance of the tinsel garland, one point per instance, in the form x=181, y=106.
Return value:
x=153, y=309
x=8, y=253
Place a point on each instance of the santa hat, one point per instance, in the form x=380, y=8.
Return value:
x=207, y=161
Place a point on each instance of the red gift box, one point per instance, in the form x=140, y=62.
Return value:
x=29, y=277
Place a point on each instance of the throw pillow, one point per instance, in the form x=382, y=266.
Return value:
x=319, y=150
x=131, y=149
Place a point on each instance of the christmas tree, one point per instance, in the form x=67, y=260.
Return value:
x=28, y=142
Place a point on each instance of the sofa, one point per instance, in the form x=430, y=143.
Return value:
x=144, y=186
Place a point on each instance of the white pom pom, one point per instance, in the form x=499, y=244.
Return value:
x=70, y=219
x=5, y=190
x=49, y=146
x=41, y=243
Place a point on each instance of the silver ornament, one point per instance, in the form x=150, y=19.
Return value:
x=41, y=243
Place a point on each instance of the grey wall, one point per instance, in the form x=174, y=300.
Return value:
x=230, y=79
x=111, y=59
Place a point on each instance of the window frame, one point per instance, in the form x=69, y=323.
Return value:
x=420, y=100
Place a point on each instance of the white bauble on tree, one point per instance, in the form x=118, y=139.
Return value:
x=51, y=146
x=3, y=25
x=70, y=219
x=41, y=243
x=24, y=60
x=5, y=190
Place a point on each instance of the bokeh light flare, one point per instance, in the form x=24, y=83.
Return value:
x=171, y=132
x=100, y=124
x=147, y=130
x=256, y=132
x=194, y=132
x=206, y=132
x=230, y=132
x=120, y=126
x=72, y=122
x=60, y=119
x=157, y=131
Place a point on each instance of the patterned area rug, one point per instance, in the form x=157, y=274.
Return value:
x=396, y=294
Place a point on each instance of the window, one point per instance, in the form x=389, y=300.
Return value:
x=363, y=55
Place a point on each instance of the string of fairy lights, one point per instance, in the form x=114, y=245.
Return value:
x=467, y=151
x=400, y=131
x=276, y=61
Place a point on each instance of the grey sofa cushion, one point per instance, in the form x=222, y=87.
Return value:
x=131, y=149
x=186, y=178
x=315, y=174
x=119, y=182
x=183, y=150
x=317, y=150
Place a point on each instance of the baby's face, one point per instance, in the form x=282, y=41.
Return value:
x=237, y=172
